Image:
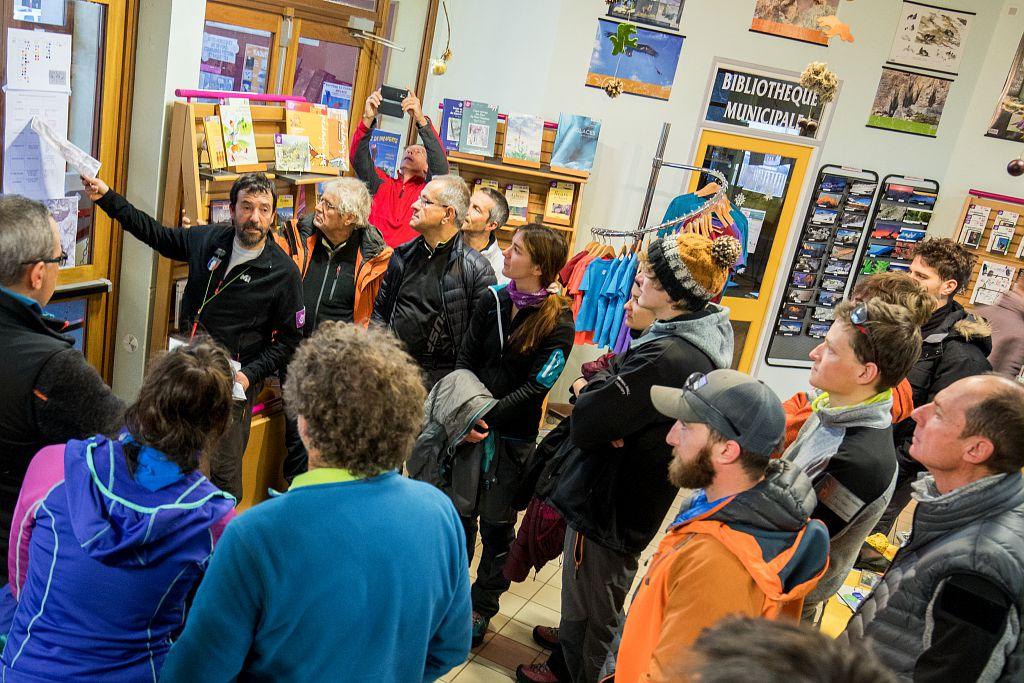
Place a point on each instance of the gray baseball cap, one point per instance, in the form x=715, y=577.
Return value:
x=734, y=404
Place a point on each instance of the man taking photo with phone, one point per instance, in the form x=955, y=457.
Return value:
x=393, y=197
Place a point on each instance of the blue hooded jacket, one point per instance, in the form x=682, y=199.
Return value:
x=101, y=564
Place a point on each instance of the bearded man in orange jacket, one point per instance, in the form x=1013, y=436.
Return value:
x=744, y=544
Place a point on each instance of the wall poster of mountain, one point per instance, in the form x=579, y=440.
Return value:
x=796, y=19
x=909, y=102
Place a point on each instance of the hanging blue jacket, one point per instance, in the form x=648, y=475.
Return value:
x=101, y=564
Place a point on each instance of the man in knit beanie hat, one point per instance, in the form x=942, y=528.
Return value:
x=615, y=492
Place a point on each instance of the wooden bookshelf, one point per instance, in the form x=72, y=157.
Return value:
x=995, y=203
x=538, y=180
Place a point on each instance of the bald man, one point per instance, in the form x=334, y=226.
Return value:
x=951, y=601
x=393, y=198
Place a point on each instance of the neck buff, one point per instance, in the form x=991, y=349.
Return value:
x=524, y=299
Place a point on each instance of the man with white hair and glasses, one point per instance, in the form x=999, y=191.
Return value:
x=434, y=281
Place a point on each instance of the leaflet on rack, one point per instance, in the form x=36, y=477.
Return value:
x=81, y=160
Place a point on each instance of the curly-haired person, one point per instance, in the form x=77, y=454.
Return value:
x=356, y=573
x=955, y=345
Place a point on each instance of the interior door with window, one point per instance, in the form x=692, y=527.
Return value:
x=764, y=178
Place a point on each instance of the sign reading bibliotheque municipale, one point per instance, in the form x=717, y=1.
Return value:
x=768, y=103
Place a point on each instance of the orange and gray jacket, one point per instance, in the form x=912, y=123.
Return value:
x=298, y=238
x=755, y=554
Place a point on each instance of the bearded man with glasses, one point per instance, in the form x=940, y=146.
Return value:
x=51, y=394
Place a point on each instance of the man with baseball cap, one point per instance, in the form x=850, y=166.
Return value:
x=743, y=544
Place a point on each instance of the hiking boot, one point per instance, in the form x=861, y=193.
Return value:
x=535, y=673
x=546, y=636
x=480, y=623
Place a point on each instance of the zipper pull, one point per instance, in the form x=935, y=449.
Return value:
x=337, y=273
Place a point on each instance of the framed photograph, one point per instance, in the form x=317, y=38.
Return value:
x=818, y=330
x=884, y=230
x=929, y=37
x=802, y=280
x=909, y=103
x=853, y=220
x=807, y=264
x=793, y=312
x=660, y=13
x=1008, y=120
x=838, y=268
x=795, y=19
x=646, y=70
x=799, y=296
x=790, y=328
x=824, y=216
x=847, y=237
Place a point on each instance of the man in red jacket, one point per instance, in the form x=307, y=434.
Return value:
x=393, y=197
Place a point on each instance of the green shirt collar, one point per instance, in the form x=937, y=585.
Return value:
x=322, y=475
x=823, y=401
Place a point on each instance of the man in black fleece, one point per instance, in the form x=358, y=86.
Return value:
x=614, y=492
x=51, y=395
x=955, y=345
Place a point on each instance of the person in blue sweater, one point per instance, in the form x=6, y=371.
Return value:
x=355, y=573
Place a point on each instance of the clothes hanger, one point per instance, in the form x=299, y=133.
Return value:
x=708, y=190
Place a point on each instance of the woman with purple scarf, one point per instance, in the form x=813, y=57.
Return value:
x=516, y=345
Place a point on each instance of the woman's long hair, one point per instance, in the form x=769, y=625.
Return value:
x=549, y=250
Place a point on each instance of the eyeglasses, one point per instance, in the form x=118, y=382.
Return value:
x=698, y=380
x=858, y=318
x=327, y=204
x=59, y=260
x=426, y=202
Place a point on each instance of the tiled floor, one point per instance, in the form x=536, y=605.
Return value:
x=536, y=601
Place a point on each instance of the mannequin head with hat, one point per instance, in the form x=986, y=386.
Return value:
x=684, y=272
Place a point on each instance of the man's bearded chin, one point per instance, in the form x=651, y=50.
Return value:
x=244, y=237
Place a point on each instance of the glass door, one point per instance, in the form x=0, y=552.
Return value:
x=240, y=50
x=764, y=178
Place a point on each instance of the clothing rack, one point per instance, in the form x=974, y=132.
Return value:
x=657, y=164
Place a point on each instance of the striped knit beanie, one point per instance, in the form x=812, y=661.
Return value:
x=691, y=268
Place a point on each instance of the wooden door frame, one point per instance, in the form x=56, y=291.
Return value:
x=256, y=20
x=755, y=312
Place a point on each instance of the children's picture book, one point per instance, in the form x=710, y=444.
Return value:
x=336, y=95
x=518, y=198
x=575, y=143
x=285, y=207
x=312, y=124
x=479, y=126
x=558, y=206
x=214, y=141
x=523, y=136
x=993, y=280
x=220, y=211
x=337, y=139
x=384, y=151
x=451, y=124
x=291, y=153
x=239, y=137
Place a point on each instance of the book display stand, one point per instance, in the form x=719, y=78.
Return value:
x=989, y=228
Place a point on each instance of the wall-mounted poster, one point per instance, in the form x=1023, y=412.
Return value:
x=662, y=13
x=909, y=102
x=796, y=19
x=1008, y=121
x=930, y=37
x=647, y=69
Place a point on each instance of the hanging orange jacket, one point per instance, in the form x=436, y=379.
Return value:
x=298, y=238
x=798, y=409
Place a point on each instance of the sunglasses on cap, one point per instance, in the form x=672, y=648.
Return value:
x=697, y=381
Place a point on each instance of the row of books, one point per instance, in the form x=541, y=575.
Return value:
x=557, y=205
x=470, y=127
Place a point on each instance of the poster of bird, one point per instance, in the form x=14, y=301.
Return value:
x=930, y=37
x=644, y=61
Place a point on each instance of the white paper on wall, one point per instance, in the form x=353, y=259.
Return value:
x=31, y=167
x=38, y=60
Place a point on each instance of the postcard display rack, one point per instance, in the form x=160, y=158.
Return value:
x=538, y=180
x=989, y=228
x=900, y=220
x=820, y=275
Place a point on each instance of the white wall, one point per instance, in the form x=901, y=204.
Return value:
x=535, y=59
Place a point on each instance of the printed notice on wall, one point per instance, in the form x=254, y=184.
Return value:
x=32, y=167
x=38, y=60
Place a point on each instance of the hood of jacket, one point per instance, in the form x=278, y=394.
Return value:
x=457, y=401
x=875, y=413
x=709, y=330
x=790, y=551
x=952, y=320
x=118, y=521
